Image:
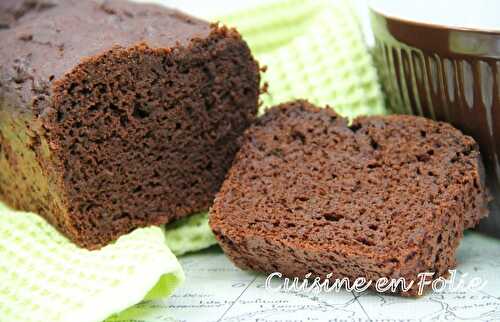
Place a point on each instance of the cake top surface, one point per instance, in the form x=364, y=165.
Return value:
x=44, y=39
x=379, y=186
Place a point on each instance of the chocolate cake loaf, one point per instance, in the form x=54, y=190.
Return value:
x=115, y=115
x=388, y=196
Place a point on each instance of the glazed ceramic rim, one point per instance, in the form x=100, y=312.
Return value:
x=416, y=22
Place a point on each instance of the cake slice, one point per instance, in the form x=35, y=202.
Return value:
x=116, y=115
x=387, y=196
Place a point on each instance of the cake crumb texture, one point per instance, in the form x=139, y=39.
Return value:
x=387, y=196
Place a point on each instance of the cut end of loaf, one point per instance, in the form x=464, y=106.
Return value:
x=145, y=135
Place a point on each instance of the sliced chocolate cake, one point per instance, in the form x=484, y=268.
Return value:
x=115, y=115
x=387, y=196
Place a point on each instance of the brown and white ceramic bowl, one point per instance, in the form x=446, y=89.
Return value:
x=441, y=59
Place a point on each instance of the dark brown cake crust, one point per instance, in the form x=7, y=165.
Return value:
x=388, y=196
x=115, y=115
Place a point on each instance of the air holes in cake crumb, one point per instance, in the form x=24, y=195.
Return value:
x=183, y=69
x=167, y=63
x=124, y=120
x=71, y=87
x=393, y=260
x=113, y=108
x=365, y=241
x=123, y=215
x=92, y=108
x=423, y=134
x=139, y=112
x=60, y=116
x=355, y=127
x=423, y=157
x=101, y=88
x=277, y=152
x=86, y=207
x=374, y=144
x=468, y=150
x=85, y=91
x=476, y=185
x=208, y=105
x=373, y=227
x=410, y=256
x=332, y=217
x=298, y=136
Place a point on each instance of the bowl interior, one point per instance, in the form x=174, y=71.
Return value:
x=469, y=14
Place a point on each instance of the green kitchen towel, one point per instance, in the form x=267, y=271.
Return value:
x=189, y=234
x=44, y=277
x=312, y=49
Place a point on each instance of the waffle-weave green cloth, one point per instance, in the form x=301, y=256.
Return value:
x=44, y=277
x=312, y=49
